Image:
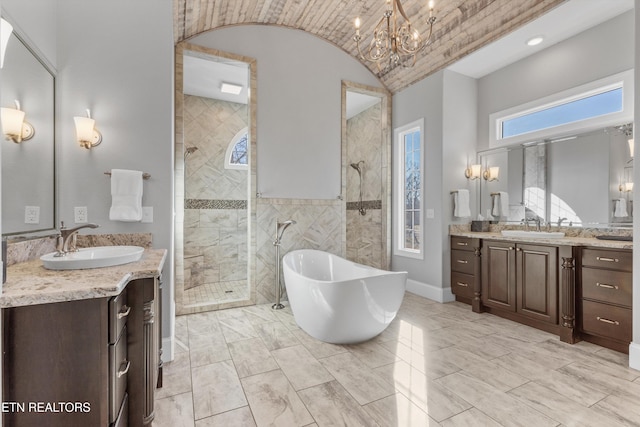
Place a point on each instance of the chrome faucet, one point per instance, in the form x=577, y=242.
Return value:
x=280, y=227
x=67, y=239
x=560, y=221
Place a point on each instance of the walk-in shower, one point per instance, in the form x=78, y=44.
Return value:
x=280, y=227
x=359, y=168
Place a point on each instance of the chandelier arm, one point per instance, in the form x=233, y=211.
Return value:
x=401, y=10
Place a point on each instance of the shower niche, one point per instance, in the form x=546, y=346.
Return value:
x=215, y=179
x=366, y=174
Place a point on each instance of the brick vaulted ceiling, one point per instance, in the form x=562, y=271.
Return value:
x=462, y=26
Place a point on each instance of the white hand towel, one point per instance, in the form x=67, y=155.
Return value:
x=504, y=203
x=620, y=208
x=126, y=195
x=461, y=204
x=495, y=205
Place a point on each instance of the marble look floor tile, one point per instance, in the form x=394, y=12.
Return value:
x=429, y=396
x=257, y=314
x=275, y=335
x=237, y=328
x=317, y=348
x=286, y=317
x=300, y=367
x=176, y=376
x=557, y=381
x=623, y=409
x=470, y=418
x=372, y=354
x=483, y=369
x=274, y=402
x=559, y=407
x=216, y=389
x=581, y=372
x=251, y=357
x=331, y=405
x=361, y=382
x=174, y=411
x=237, y=417
x=415, y=358
x=209, y=354
x=397, y=411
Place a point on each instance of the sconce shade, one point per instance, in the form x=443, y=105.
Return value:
x=472, y=172
x=491, y=174
x=86, y=132
x=5, y=33
x=14, y=127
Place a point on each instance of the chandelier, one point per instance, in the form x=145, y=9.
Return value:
x=395, y=41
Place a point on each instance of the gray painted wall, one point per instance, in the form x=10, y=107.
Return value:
x=299, y=107
x=634, y=348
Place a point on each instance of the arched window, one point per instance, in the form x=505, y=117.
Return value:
x=237, y=156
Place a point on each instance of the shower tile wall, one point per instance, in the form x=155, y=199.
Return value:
x=318, y=226
x=215, y=214
x=365, y=232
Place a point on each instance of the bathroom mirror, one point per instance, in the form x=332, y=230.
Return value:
x=580, y=180
x=215, y=179
x=28, y=167
x=366, y=173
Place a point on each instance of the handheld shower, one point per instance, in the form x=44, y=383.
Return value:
x=280, y=227
x=357, y=167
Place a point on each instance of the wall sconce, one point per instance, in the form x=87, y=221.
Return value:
x=626, y=187
x=631, y=146
x=5, y=33
x=491, y=174
x=13, y=125
x=472, y=172
x=86, y=132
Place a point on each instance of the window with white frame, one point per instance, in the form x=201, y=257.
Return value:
x=597, y=104
x=409, y=168
x=237, y=156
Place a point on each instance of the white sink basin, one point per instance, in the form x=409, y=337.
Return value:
x=99, y=256
x=533, y=234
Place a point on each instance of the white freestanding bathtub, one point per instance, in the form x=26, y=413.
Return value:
x=339, y=301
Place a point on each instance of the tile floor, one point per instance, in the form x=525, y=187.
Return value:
x=436, y=365
x=218, y=293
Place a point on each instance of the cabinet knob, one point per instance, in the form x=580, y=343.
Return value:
x=462, y=284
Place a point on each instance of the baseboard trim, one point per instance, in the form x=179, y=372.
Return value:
x=431, y=292
x=168, y=349
x=634, y=356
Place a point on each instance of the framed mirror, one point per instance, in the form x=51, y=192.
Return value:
x=580, y=180
x=28, y=167
x=215, y=179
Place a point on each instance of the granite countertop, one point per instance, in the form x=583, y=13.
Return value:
x=564, y=241
x=29, y=283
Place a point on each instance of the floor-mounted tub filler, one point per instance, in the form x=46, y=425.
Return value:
x=339, y=301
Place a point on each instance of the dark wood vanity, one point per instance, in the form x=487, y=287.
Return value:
x=88, y=361
x=578, y=292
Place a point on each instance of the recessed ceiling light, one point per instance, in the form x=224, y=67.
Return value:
x=230, y=88
x=533, y=41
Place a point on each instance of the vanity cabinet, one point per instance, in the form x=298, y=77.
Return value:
x=521, y=281
x=605, y=297
x=465, y=269
x=90, y=362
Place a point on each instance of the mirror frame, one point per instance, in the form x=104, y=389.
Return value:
x=179, y=189
x=48, y=231
x=385, y=129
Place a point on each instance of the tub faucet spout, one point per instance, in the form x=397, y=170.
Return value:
x=280, y=227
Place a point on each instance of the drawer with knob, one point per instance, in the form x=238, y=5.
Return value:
x=462, y=261
x=606, y=320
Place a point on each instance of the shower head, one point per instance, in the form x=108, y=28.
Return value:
x=356, y=166
x=190, y=151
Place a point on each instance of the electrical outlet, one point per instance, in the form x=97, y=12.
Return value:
x=32, y=214
x=80, y=215
x=431, y=214
x=147, y=214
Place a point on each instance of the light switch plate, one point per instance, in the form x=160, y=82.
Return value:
x=147, y=214
x=32, y=214
x=80, y=215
